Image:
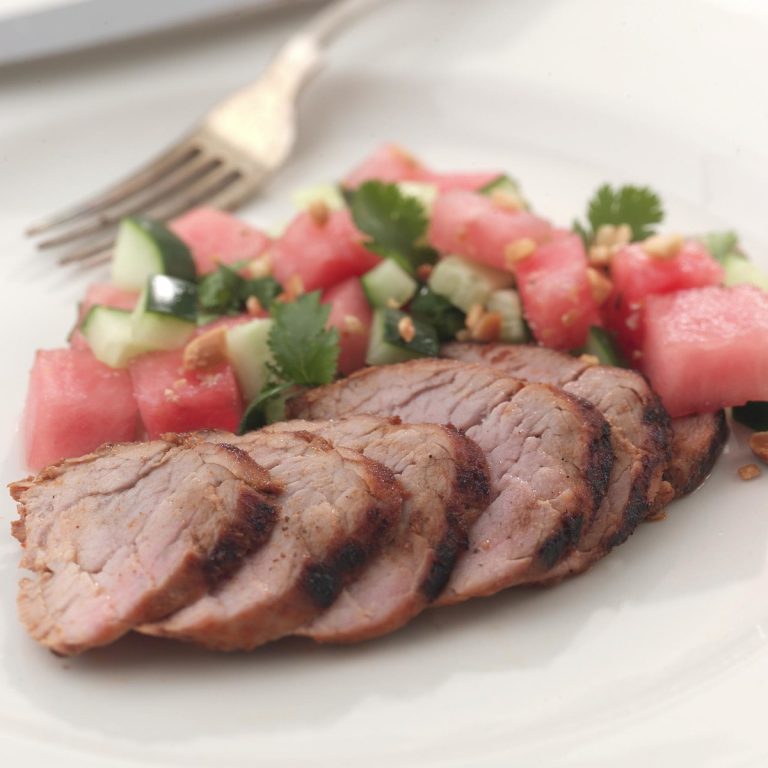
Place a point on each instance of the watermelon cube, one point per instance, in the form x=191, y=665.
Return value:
x=392, y=164
x=107, y=295
x=321, y=253
x=171, y=399
x=474, y=226
x=215, y=237
x=352, y=315
x=637, y=275
x=74, y=404
x=707, y=348
x=556, y=293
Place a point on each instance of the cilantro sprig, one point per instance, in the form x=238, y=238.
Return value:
x=639, y=207
x=226, y=291
x=304, y=353
x=396, y=224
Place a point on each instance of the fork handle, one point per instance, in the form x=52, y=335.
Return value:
x=335, y=16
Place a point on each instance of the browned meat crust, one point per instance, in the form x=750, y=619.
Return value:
x=549, y=454
x=133, y=532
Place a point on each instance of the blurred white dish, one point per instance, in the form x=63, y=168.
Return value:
x=658, y=656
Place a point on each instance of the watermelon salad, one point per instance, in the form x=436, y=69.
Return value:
x=210, y=322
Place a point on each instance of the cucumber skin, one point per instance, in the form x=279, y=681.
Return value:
x=166, y=314
x=165, y=253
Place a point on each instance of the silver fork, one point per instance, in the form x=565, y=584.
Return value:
x=223, y=162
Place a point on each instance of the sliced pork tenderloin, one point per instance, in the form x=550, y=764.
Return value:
x=640, y=435
x=447, y=486
x=337, y=509
x=548, y=452
x=132, y=533
x=697, y=441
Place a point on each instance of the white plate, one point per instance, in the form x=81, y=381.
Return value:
x=658, y=655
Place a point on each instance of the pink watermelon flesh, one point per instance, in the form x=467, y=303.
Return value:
x=390, y=163
x=636, y=275
x=556, y=294
x=351, y=314
x=322, y=255
x=215, y=237
x=74, y=404
x=473, y=226
x=707, y=348
x=171, y=399
x=107, y=295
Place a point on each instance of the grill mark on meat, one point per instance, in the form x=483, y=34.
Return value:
x=538, y=473
x=640, y=437
x=157, y=522
x=445, y=480
x=337, y=510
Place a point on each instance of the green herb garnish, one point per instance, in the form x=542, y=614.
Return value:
x=225, y=291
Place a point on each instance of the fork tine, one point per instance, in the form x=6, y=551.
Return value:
x=203, y=191
x=170, y=159
x=137, y=202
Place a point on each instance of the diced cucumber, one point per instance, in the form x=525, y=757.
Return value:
x=147, y=247
x=387, y=346
x=740, y=271
x=753, y=415
x=465, y=283
x=602, y=345
x=322, y=193
x=721, y=244
x=424, y=192
x=108, y=332
x=388, y=283
x=507, y=303
x=248, y=351
x=166, y=314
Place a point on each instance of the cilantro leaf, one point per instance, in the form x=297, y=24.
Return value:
x=394, y=223
x=304, y=351
x=225, y=291
x=639, y=207
x=437, y=311
x=267, y=407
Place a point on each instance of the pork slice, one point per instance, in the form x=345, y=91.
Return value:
x=697, y=441
x=337, y=509
x=640, y=436
x=446, y=483
x=548, y=452
x=132, y=533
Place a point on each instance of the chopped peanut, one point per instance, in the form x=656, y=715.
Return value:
x=749, y=472
x=320, y=212
x=294, y=287
x=759, y=445
x=663, y=246
x=475, y=314
x=518, y=251
x=260, y=266
x=505, y=198
x=609, y=240
x=600, y=285
x=589, y=359
x=392, y=303
x=487, y=328
x=569, y=318
x=253, y=306
x=352, y=324
x=207, y=350
x=406, y=329
x=463, y=335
